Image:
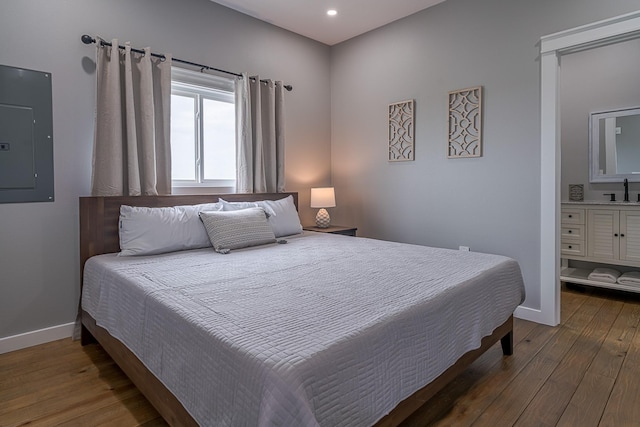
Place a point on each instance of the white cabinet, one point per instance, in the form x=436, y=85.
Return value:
x=572, y=232
x=599, y=233
x=603, y=234
x=613, y=235
x=630, y=236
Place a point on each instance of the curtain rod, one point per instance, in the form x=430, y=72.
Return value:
x=86, y=39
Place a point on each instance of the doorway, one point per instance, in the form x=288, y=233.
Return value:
x=552, y=47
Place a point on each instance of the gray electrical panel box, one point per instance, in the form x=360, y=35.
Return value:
x=26, y=136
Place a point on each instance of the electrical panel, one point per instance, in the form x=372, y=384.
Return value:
x=26, y=136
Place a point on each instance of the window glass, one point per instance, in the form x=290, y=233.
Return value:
x=219, y=140
x=203, y=130
x=183, y=137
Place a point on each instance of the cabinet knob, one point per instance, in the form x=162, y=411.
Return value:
x=570, y=247
x=616, y=234
x=569, y=232
x=570, y=216
x=621, y=235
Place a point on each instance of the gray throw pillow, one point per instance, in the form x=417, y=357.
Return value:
x=229, y=230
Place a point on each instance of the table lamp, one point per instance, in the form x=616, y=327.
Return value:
x=323, y=198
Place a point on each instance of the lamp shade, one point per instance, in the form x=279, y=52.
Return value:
x=323, y=197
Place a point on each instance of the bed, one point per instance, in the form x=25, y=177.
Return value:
x=261, y=349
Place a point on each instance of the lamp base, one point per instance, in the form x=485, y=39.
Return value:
x=323, y=219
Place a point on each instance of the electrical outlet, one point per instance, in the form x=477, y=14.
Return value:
x=464, y=248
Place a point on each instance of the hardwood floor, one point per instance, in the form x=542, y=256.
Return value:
x=63, y=383
x=585, y=372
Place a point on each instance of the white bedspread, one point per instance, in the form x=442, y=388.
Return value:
x=325, y=330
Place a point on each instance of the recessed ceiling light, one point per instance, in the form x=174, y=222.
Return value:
x=332, y=12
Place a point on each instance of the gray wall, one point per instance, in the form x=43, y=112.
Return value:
x=39, y=265
x=596, y=80
x=490, y=203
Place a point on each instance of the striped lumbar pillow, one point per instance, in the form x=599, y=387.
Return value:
x=229, y=230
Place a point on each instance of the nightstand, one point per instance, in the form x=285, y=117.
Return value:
x=333, y=229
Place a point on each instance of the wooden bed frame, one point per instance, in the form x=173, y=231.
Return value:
x=99, y=217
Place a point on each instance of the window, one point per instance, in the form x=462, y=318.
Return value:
x=203, y=130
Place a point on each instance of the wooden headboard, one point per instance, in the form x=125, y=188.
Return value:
x=99, y=216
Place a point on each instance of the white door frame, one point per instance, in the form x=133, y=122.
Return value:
x=553, y=46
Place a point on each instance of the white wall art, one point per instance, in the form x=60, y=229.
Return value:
x=401, y=131
x=465, y=123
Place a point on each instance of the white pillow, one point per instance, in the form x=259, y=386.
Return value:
x=149, y=231
x=238, y=229
x=236, y=206
x=284, y=218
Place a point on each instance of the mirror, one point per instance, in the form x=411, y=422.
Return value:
x=614, y=138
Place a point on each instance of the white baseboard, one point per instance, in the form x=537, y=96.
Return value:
x=531, y=314
x=41, y=336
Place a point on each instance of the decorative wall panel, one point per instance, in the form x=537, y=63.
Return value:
x=465, y=123
x=401, y=131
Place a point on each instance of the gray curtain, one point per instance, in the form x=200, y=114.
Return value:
x=131, y=152
x=260, y=138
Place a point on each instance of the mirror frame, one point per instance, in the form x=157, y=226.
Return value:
x=594, y=146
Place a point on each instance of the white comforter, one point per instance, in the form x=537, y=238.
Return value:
x=325, y=330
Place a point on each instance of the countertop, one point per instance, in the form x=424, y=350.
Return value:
x=601, y=202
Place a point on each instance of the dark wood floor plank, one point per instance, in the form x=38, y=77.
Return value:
x=516, y=396
x=60, y=376
x=130, y=411
x=157, y=422
x=623, y=407
x=79, y=407
x=39, y=404
x=589, y=400
x=87, y=386
x=521, y=329
x=21, y=359
x=610, y=358
x=570, y=303
x=549, y=403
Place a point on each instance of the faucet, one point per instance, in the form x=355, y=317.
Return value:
x=626, y=190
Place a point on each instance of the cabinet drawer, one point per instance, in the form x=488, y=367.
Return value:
x=572, y=248
x=572, y=232
x=572, y=216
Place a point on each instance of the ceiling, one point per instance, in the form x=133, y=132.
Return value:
x=309, y=17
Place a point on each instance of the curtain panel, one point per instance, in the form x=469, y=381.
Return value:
x=131, y=153
x=260, y=135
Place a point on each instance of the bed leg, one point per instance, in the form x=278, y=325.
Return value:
x=507, y=344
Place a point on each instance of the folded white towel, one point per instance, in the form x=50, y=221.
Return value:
x=630, y=278
x=608, y=275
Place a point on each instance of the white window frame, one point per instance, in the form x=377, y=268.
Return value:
x=202, y=86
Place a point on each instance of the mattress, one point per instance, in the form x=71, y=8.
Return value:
x=324, y=330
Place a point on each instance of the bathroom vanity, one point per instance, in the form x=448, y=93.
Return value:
x=600, y=233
